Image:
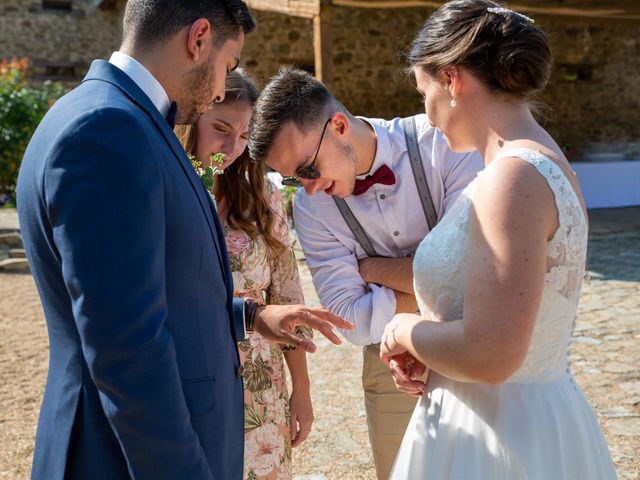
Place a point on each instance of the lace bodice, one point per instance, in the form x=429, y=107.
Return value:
x=439, y=271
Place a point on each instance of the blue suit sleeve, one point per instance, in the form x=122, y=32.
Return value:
x=238, y=319
x=104, y=196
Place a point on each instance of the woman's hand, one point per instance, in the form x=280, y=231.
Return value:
x=301, y=415
x=405, y=368
x=406, y=371
x=397, y=335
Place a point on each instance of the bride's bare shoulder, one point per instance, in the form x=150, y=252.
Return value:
x=512, y=194
x=513, y=176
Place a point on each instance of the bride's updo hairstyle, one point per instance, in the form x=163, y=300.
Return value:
x=502, y=48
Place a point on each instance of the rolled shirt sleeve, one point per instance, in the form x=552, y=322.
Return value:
x=390, y=214
x=337, y=279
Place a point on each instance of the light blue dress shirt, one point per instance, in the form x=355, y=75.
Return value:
x=391, y=215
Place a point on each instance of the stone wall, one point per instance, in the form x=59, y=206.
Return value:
x=593, y=96
x=278, y=40
x=60, y=43
x=368, y=69
x=594, y=92
x=366, y=65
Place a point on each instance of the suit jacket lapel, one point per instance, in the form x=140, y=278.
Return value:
x=103, y=71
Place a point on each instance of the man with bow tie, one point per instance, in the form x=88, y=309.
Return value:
x=360, y=217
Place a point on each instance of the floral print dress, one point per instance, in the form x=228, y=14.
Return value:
x=267, y=279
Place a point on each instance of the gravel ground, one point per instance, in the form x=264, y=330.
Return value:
x=605, y=355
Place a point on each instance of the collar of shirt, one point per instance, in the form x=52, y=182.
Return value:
x=383, y=149
x=144, y=79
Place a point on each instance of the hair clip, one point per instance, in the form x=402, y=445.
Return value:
x=507, y=11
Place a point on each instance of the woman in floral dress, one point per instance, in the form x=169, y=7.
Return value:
x=264, y=269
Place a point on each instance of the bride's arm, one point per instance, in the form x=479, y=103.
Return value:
x=513, y=215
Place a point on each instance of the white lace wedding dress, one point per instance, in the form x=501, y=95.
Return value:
x=537, y=425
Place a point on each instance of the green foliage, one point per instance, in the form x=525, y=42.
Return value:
x=21, y=109
x=287, y=200
x=252, y=419
x=207, y=178
x=257, y=375
x=207, y=174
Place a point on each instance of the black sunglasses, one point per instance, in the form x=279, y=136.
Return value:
x=308, y=172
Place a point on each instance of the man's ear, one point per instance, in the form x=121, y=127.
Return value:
x=199, y=39
x=340, y=123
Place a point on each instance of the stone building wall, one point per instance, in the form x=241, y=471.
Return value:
x=278, y=40
x=365, y=56
x=593, y=98
x=368, y=69
x=59, y=43
x=593, y=95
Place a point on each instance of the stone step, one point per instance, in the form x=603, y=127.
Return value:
x=11, y=240
x=14, y=265
x=17, y=253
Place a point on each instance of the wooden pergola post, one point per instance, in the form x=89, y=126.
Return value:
x=322, y=45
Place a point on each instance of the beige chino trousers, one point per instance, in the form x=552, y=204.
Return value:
x=388, y=410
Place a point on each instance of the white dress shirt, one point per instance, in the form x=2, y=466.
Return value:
x=144, y=79
x=392, y=216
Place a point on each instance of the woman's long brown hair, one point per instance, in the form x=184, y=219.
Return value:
x=243, y=182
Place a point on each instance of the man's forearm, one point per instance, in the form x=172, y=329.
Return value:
x=405, y=302
x=394, y=273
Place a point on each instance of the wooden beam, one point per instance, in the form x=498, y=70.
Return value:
x=294, y=8
x=578, y=12
x=388, y=4
x=322, y=46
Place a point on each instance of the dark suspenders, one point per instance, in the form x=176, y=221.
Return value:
x=420, y=177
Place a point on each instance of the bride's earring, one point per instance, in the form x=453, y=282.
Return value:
x=453, y=84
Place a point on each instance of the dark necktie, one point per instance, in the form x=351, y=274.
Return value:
x=383, y=175
x=171, y=115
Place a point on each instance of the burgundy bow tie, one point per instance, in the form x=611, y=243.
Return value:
x=383, y=175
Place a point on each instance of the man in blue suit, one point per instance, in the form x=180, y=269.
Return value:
x=130, y=263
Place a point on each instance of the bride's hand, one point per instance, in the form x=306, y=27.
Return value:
x=395, y=333
x=405, y=368
x=389, y=345
x=406, y=371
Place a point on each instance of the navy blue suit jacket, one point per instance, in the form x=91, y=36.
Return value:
x=129, y=259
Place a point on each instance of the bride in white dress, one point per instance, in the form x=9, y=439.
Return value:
x=499, y=279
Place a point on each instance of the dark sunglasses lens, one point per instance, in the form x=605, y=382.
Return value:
x=290, y=182
x=309, y=173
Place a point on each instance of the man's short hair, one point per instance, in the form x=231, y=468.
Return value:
x=290, y=96
x=150, y=22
